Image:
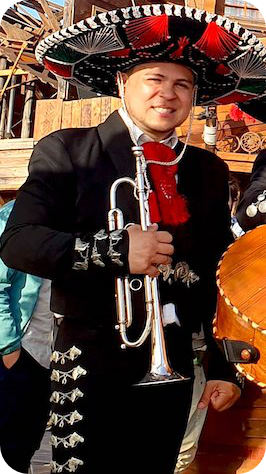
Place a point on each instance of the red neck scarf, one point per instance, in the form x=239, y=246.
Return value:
x=165, y=202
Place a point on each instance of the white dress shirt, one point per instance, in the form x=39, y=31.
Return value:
x=37, y=340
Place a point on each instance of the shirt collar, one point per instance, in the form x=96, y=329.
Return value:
x=140, y=136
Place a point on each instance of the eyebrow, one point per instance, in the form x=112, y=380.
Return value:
x=181, y=79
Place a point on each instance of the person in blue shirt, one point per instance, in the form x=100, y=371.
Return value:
x=25, y=348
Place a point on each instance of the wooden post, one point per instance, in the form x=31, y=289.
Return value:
x=27, y=112
x=13, y=68
x=11, y=106
x=219, y=9
x=68, y=18
x=3, y=117
x=3, y=65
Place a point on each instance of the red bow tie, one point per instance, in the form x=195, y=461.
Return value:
x=165, y=202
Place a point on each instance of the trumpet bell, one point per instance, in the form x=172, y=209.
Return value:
x=156, y=379
x=160, y=371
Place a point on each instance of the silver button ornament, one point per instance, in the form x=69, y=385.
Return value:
x=262, y=207
x=259, y=205
x=251, y=210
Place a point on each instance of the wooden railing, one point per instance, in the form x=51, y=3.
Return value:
x=14, y=159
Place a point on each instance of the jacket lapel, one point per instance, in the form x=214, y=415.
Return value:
x=116, y=144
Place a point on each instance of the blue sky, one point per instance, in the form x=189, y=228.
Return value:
x=35, y=14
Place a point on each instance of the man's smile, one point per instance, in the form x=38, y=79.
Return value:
x=163, y=110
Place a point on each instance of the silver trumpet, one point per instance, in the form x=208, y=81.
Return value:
x=160, y=371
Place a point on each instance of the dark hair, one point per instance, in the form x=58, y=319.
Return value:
x=234, y=187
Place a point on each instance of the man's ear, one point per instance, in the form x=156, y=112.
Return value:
x=124, y=77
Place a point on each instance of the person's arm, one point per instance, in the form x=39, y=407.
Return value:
x=220, y=394
x=34, y=241
x=31, y=242
x=10, y=334
x=221, y=390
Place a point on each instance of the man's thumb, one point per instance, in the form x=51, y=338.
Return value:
x=206, y=398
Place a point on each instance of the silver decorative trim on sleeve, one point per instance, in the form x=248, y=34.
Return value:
x=83, y=249
x=70, y=441
x=71, y=465
x=95, y=255
x=114, y=237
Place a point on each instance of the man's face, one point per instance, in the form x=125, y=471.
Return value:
x=158, y=97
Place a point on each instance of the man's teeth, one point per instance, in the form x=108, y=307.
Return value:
x=162, y=110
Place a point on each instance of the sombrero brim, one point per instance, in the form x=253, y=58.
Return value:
x=228, y=59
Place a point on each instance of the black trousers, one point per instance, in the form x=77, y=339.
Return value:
x=101, y=421
x=24, y=406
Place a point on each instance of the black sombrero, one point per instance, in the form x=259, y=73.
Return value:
x=228, y=59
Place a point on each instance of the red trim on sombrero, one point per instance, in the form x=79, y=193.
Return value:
x=147, y=31
x=235, y=96
x=182, y=43
x=165, y=202
x=216, y=42
x=121, y=53
x=63, y=70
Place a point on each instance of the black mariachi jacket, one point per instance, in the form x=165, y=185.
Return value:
x=67, y=195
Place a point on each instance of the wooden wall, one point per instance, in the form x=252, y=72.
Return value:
x=14, y=158
x=55, y=114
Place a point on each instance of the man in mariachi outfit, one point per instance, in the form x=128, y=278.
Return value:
x=251, y=211
x=164, y=57
x=252, y=207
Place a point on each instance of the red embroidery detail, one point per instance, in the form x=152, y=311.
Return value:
x=216, y=42
x=121, y=53
x=182, y=43
x=223, y=70
x=147, y=31
x=166, y=204
x=63, y=70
